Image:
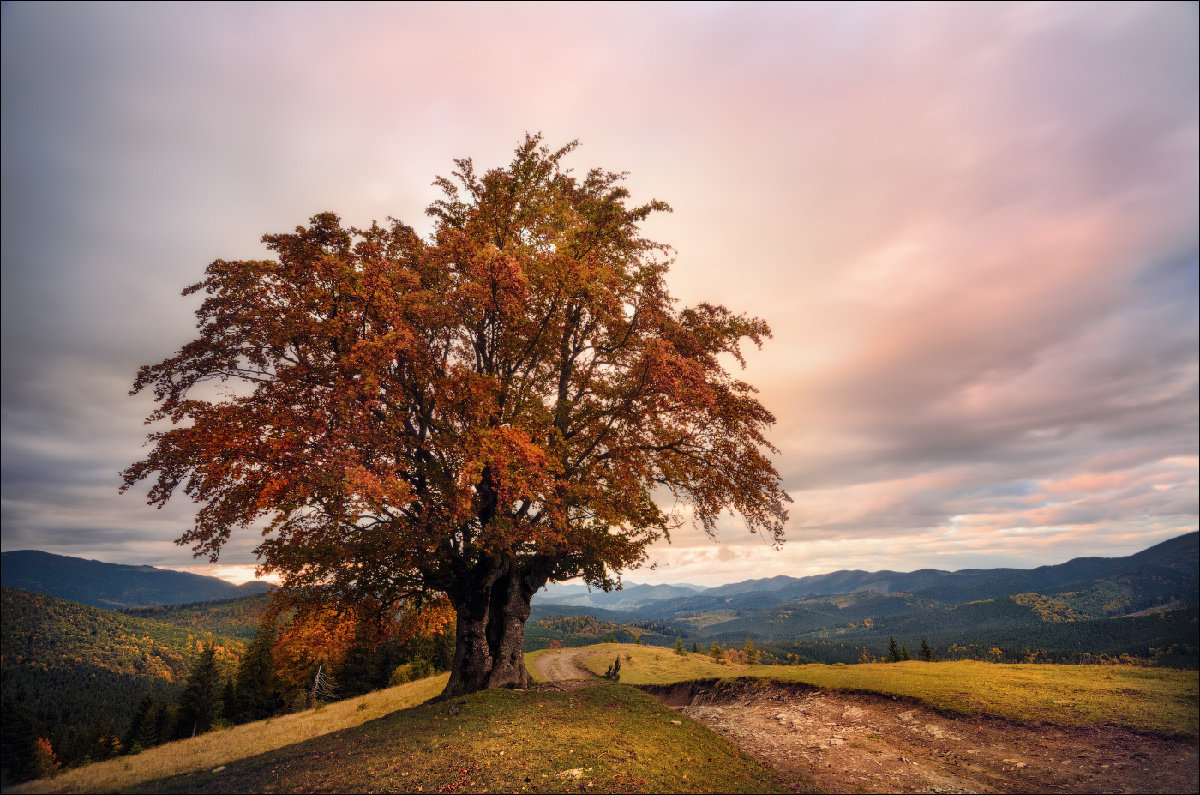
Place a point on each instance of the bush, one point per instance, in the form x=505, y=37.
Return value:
x=614, y=671
x=410, y=672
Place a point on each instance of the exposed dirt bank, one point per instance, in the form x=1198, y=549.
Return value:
x=854, y=742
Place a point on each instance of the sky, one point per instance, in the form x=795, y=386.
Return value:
x=972, y=228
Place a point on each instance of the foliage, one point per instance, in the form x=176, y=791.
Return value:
x=231, y=618
x=478, y=413
x=200, y=703
x=257, y=690
x=613, y=673
x=750, y=653
x=679, y=647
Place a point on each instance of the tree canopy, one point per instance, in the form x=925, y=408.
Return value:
x=511, y=401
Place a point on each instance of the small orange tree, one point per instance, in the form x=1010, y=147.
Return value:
x=475, y=414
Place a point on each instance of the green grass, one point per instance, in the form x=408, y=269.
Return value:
x=615, y=738
x=1159, y=700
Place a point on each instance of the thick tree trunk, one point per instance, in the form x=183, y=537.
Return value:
x=489, y=646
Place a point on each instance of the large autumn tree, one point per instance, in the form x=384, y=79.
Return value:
x=507, y=403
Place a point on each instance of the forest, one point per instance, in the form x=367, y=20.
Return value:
x=83, y=684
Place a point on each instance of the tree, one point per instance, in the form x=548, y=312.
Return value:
x=682, y=652
x=44, y=763
x=750, y=651
x=474, y=414
x=926, y=653
x=614, y=671
x=716, y=652
x=257, y=692
x=904, y=655
x=893, y=650
x=200, y=703
x=695, y=648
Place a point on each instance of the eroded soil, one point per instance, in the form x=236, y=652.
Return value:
x=850, y=742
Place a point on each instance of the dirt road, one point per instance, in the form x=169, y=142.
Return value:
x=558, y=666
x=852, y=742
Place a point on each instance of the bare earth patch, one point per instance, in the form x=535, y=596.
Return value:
x=560, y=670
x=854, y=742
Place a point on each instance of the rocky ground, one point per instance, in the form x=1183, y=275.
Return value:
x=850, y=742
x=854, y=742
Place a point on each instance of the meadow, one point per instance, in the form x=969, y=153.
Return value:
x=1164, y=701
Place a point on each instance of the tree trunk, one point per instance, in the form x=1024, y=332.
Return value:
x=489, y=649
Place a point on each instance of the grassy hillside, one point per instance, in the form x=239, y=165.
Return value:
x=607, y=739
x=229, y=745
x=1163, y=701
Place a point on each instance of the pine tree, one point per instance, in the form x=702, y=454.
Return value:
x=257, y=691
x=893, y=650
x=614, y=671
x=904, y=655
x=200, y=703
x=715, y=651
x=229, y=705
x=679, y=647
x=695, y=648
x=926, y=653
x=751, y=652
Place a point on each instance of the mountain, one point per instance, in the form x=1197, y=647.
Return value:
x=1143, y=605
x=631, y=597
x=113, y=585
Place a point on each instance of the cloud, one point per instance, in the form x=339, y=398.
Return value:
x=973, y=231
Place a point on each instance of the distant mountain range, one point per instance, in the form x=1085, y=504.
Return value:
x=113, y=585
x=1156, y=575
x=1144, y=605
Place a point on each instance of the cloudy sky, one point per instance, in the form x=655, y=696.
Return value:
x=972, y=228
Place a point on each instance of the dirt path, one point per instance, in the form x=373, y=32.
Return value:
x=558, y=667
x=844, y=742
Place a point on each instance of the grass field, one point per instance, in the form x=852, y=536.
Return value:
x=1160, y=700
x=609, y=738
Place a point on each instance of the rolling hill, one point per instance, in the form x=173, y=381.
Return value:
x=113, y=585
